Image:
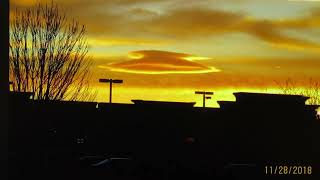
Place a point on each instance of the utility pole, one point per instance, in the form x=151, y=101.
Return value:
x=204, y=96
x=110, y=81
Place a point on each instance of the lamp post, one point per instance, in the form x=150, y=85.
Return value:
x=110, y=81
x=204, y=96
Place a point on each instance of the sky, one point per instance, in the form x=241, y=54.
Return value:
x=167, y=49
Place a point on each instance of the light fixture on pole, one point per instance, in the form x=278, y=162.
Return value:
x=204, y=96
x=110, y=81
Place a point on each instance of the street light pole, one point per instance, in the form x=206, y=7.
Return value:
x=204, y=96
x=204, y=100
x=110, y=81
x=110, y=94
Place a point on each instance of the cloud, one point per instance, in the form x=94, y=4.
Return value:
x=24, y=3
x=83, y=2
x=201, y=22
x=269, y=32
x=123, y=41
x=193, y=22
x=235, y=72
x=306, y=0
x=140, y=13
x=131, y=18
x=311, y=20
x=160, y=62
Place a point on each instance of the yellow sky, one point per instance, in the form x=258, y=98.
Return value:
x=166, y=49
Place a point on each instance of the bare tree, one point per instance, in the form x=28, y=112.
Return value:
x=312, y=90
x=48, y=54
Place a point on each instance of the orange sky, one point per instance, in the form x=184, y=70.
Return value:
x=166, y=49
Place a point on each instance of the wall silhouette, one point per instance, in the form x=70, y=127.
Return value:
x=165, y=139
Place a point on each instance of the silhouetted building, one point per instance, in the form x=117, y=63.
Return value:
x=256, y=128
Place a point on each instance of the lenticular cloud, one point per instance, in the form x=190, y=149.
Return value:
x=160, y=62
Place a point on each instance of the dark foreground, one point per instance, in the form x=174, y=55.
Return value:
x=161, y=140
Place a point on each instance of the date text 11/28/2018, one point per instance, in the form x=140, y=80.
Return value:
x=288, y=170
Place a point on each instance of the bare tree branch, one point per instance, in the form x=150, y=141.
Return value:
x=48, y=54
x=312, y=90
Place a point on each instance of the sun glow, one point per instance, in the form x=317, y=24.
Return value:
x=123, y=94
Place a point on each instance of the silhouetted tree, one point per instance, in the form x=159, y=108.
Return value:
x=48, y=54
x=312, y=90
